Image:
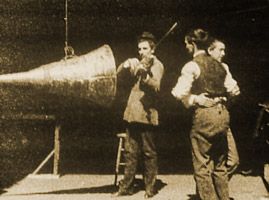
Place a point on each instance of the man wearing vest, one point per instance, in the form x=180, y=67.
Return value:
x=202, y=86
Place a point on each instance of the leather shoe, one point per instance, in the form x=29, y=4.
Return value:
x=121, y=193
x=148, y=195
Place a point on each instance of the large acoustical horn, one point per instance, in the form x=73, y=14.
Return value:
x=91, y=77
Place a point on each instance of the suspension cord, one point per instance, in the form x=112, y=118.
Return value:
x=66, y=23
x=68, y=50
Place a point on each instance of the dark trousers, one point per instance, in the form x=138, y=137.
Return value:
x=209, y=152
x=140, y=141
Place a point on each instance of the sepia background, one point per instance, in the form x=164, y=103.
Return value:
x=32, y=33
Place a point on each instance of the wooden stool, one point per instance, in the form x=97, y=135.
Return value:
x=119, y=160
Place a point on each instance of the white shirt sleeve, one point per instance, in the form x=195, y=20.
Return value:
x=182, y=89
x=230, y=84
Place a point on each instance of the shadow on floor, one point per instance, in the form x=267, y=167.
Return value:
x=139, y=185
x=2, y=191
x=193, y=197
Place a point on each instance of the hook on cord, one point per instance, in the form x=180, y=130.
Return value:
x=68, y=50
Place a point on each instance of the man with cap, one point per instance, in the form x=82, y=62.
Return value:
x=141, y=115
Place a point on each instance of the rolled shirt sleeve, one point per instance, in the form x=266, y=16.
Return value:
x=230, y=84
x=181, y=91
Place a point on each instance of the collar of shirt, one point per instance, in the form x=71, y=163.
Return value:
x=198, y=52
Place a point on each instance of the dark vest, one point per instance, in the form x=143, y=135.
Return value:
x=212, y=77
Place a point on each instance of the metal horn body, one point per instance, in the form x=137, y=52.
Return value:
x=90, y=77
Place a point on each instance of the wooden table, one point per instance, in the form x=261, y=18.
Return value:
x=56, y=149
